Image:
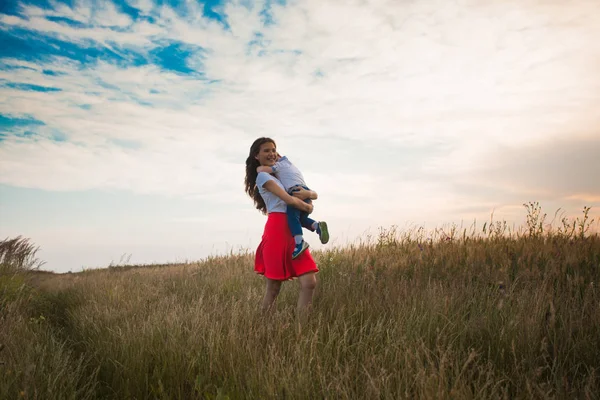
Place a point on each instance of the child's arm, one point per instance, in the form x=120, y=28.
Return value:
x=268, y=170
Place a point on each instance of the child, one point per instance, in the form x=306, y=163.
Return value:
x=292, y=180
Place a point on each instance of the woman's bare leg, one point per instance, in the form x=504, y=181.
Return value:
x=308, y=283
x=272, y=290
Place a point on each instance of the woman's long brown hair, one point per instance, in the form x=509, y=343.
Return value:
x=251, y=165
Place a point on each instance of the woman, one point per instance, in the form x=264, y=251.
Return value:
x=274, y=254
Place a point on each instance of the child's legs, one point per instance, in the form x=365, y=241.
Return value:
x=305, y=220
x=293, y=217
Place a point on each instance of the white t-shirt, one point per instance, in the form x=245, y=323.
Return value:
x=288, y=174
x=272, y=201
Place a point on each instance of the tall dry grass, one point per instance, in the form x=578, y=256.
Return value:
x=445, y=314
x=17, y=255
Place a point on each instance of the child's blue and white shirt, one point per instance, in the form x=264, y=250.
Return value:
x=288, y=174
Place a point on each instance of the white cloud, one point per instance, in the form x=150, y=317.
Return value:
x=145, y=6
x=107, y=15
x=81, y=11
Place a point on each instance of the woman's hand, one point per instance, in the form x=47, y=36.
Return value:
x=308, y=209
x=304, y=194
x=301, y=205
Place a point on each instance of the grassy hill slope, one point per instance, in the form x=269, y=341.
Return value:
x=484, y=315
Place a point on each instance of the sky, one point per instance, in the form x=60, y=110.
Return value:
x=125, y=125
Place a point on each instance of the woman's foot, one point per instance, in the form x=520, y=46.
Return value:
x=323, y=232
x=299, y=249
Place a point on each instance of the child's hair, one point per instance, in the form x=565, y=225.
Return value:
x=251, y=165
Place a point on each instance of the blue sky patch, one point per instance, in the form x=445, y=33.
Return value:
x=58, y=136
x=257, y=44
x=134, y=13
x=210, y=8
x=9, y=7
x=265, y=14
x=11, y=126
x=319, y=73
x=66, y=21
x=127, y=144
x=173, y=57
x=29, y=46
x=7, y=122
x=52, y=73
x=27, y=134
x=43, y=49
x=8, y=67
x=29, y=87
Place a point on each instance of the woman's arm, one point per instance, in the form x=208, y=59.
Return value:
x=272, y=187
x=304, y=194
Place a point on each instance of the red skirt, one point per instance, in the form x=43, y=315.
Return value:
x=274, y=253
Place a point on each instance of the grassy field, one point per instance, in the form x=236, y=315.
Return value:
x=456, y=314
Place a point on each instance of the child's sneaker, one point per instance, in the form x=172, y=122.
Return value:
x=323, y=232
x=299, y=249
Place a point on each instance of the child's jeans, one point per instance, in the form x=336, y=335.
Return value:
x=298, y=219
